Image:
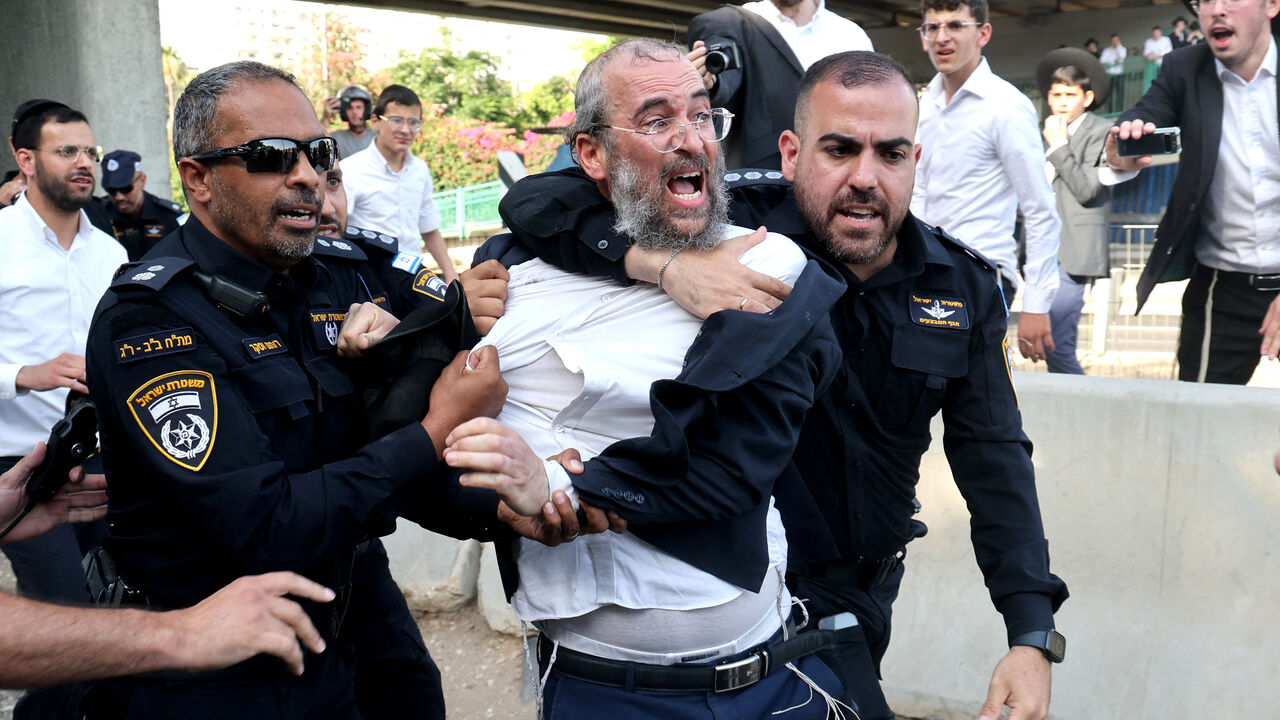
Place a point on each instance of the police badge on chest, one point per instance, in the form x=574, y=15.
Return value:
x=325, y=325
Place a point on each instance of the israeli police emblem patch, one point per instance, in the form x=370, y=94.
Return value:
x=940, y=312
x=430, y=284
x=178, y=412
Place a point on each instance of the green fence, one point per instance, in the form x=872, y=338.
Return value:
x=469, y=209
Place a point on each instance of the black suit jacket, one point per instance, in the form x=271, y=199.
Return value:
x=1187, y=93
x=762, y=93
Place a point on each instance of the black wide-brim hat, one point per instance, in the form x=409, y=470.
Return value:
x=1082, y=59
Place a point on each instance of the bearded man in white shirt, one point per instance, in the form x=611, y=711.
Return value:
x=389, y=189
x=678, y=615
x=54, y=266
x=982, y=161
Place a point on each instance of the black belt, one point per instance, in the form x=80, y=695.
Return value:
x=863, y=573
x=1268, y=282
x=735, y=673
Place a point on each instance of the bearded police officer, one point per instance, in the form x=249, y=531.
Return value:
x=923, y=330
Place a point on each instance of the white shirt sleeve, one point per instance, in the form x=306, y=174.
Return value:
x=428, y=214
x=9, y=381
x=1021, y=152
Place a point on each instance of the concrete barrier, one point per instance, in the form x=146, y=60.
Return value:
x=1163, y=515
x=1162, y=510
x=435, y=572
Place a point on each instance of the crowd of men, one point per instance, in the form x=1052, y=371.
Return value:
x=686, y=396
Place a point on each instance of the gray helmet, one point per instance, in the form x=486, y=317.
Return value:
x=355, y=92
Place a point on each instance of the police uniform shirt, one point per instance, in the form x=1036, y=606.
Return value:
x=139, y=234
x=47, y=297
x=234, y=445
x=928, y=332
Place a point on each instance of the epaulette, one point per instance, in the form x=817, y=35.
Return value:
x=949, y=239
x=373, y=240
x=750, y=176
x=151, y=274
x=334, y=248
x=169, y=205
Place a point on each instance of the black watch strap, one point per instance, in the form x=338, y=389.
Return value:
x=1050, y=642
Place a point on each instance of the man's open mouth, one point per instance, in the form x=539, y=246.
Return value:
x=687, y=185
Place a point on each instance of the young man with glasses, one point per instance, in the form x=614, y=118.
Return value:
x=54, y=265
x=138, y=218
x=982, y=162
x=389, y=189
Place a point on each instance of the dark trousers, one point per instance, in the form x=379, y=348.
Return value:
x=48, y=568
x=395, y=676
x=1221, y=314
x=1064, y=317
x=566, y=698
x=856, y=661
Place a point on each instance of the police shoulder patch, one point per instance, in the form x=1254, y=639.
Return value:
x=152, y=274
x=749, y=176
x=936, y=311
x=430, y=284
x=325, y=326
x=178, y=412
x=163, y=342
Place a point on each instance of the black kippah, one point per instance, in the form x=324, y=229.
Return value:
x=30, y=109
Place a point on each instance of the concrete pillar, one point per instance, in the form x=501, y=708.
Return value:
x=101, y=57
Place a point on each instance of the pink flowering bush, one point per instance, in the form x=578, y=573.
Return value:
x=463, y=152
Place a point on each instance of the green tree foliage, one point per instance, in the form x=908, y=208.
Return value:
x=464, y=84
x=548, y=99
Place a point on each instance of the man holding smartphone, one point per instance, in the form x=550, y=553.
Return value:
x=1220, y=228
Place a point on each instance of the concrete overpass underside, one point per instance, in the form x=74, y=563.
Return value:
x=670, y=18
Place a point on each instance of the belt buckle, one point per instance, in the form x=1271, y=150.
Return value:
x=741, y=673
x=1265, y=283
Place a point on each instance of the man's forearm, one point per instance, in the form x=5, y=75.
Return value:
x=434, y=243
x=42, y=644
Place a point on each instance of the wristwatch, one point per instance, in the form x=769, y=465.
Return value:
x=1050, y=642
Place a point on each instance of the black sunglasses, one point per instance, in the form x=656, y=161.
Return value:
x=277, y=155
x=121, y=190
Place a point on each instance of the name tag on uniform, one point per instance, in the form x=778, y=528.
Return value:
x=261, y=347
x=325, y=325
x=168, y=342
x=937, y=311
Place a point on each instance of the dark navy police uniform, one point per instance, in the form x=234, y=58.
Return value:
x=156, y=219
x=924, y=335
x=235, y=445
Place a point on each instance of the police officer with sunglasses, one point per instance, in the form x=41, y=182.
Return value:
x=137, y=218
x=232, y=428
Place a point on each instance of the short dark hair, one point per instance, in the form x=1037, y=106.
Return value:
x=1114, y=35
x=1179, y=19
x=850, y=69
x=977, y=8
x=1073, y=76
x=28, y=129
x=397, y=94
x=195, y=114
x=1157, y=27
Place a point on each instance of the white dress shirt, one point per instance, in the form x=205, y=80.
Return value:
x=395, y=203
x=982, y=160
x=579, y=355
x=1112, y=58
x=825, y=34
x=1240, y=221
x=47, y=298
x=1159, y=48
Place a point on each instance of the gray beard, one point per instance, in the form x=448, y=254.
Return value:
x=640, y=218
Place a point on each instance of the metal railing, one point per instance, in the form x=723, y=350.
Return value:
x=469, y=209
